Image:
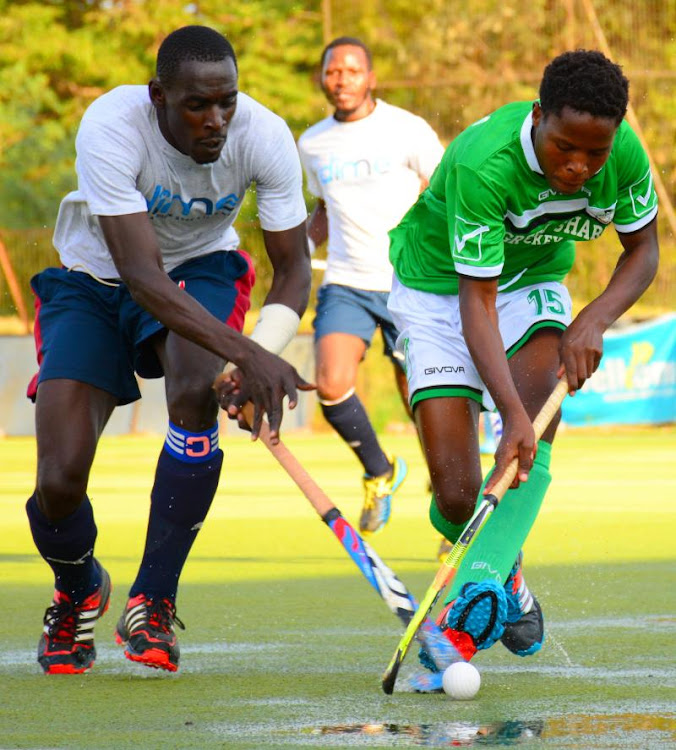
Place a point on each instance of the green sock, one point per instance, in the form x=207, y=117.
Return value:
x=495, y=549
x=544, y=454
x=447, y=529
x=452, y=531
x=543, y=459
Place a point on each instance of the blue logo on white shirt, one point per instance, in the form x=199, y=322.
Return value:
x=162, y=201
x=339, y=169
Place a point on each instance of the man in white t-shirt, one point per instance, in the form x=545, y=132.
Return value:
x=153, y=282
x=366, y=163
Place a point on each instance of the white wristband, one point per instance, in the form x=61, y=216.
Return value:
x=311, y=245
x=276, y=326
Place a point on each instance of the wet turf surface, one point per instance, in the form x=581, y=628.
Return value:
x=285, y=643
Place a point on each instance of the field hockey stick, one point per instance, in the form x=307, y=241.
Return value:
x=391, y=589
x=451, y=564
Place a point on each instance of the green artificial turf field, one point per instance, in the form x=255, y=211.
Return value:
x=286, y=642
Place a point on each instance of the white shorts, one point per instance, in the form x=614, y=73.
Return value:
x=438, y=362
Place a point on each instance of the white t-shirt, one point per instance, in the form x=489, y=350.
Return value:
x=125, y=165
x=368, y=173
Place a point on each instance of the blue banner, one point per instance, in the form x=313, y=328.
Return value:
x=636, y=381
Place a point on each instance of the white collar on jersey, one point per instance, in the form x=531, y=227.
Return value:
x=527, y=144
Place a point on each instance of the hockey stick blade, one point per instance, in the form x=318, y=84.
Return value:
x=391, y=589
x=443, y=577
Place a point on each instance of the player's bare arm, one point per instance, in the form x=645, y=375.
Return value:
x=480, y=325
x=133, y=247
x=284, y=305
x=318, y=224
x=582, y=344
x=290, y=259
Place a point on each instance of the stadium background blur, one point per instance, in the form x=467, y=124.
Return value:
x=448, y=61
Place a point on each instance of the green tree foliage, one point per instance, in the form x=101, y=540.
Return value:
x=447, y=61
x=49, y=73
x=56, y=57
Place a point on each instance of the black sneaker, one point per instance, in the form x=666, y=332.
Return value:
x=525, y=628
x=66, y=645
x=147, y=628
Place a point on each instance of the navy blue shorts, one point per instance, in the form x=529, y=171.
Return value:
x=344, y=309
x=95, y=333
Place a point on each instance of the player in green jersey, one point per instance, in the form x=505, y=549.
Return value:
x=484, y=318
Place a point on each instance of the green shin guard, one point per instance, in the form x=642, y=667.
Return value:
x=493, y=552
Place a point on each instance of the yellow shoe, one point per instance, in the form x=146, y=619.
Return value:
x=444, y=550
x=378, y=493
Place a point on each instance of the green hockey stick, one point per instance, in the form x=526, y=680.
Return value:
x=450, y=566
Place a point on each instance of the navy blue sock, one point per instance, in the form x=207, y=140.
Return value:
x=349, y=419
x=67, y=545
x=179, y=503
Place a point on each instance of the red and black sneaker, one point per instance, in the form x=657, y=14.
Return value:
x=147, y=628
x=66, y=645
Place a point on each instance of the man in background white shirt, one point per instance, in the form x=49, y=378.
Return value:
x=366, y=163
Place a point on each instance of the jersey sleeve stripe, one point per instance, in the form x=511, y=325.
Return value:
x=477, y=272
x=636, y=225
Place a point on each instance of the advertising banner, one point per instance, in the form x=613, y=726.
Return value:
x=636, y=381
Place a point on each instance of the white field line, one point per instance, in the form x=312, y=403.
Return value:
x=228, y=655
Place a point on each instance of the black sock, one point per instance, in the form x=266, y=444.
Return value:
x=67, y=545
x=349, y=419
x=179, y=503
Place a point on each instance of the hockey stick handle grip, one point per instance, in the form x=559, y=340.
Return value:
x=318, y=499
x=540, y=424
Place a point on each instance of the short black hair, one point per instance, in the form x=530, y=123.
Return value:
x=191, y=43
x=347, y=41
x=586, y=81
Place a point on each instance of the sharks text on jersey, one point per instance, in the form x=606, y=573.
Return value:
x=576, y=227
